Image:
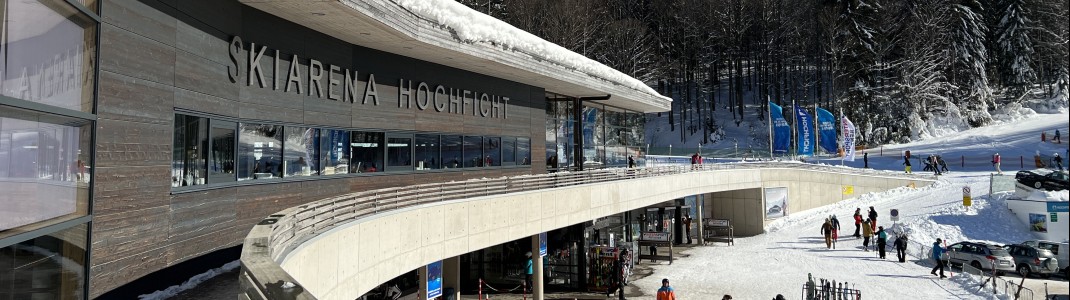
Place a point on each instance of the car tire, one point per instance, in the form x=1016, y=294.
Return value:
x=1037, y=184
x=976, y=265
x=1023, y=270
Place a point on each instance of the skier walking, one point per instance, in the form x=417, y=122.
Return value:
x=835, y=231
x=872, y=219
x=530, y=271
x=943, y=164
x=906, y=162
x=826, y=230
x=933, y=161
x=1057, y=161
x=882, y=241
x=995, y=163
x=867, y=233
x=865, y=160
x=666, y=292
x=858, y=222
x=1058, y=139
x=901, y=247
x=938, y=252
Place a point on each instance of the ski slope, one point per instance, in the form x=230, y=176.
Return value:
x=778, y=262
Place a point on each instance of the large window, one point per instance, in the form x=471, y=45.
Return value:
x=302, y=148
x=473, y=151
x=47, y=52
x=427, y=156
x=334, y=151
x=43, y=168
x=259, y=151
x=399, y=152
x=452, y=151
x=189, y=165
x=492, y=148
x=523, y=151
x=46, y=267
x=367, y=150
x=221, y=155
x=508, y=150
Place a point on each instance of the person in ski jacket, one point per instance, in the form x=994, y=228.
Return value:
x=666, y=292
x=882, y=241
x=995, y=163
x=835, y=230
x=906, y=162
x=826, y=230
x=872, y=219
x=530, y=268
x=1057, y=160
x=865, y=160
x=901, y=247
x=1039, y=161
x=618, y=276
x=938, y=252
x=935, y=163
x=943, y=164
x=858, y=222
x=1058, y=137
x=867, y=233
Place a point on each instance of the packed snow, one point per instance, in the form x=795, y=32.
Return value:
x=778, y=261
x=191, y=283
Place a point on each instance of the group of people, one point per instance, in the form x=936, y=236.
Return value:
x=934, y=163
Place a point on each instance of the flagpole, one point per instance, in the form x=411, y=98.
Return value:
x=769, y=119
x=842, y=138
x=794, y=133
x=817, y=132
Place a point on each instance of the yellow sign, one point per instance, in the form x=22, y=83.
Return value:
x=848, y=189
x=967, y=201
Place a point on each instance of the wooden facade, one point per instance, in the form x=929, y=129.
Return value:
x=159, y=56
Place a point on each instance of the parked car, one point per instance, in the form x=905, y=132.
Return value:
x=981, y=256
x=1061, y=251
x=1033, y=261
x=1038, y=179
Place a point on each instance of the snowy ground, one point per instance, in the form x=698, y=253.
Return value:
x=778, y=262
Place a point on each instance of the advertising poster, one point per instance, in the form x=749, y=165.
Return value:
x=804, y=124
x=434, y=280
x=1038, y=222
x=781, y=129
x=776, y=202
x=542, y=244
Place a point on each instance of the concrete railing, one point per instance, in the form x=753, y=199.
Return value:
x=269, y=242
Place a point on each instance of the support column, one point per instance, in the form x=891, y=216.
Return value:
x=421, y=275
x=451, y=276
x=536, y=263
x=700, y=205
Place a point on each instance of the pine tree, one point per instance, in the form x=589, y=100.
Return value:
x=1015, y=48
x=970, y=57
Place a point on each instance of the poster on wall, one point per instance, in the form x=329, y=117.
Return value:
x=1038, y=222
x=434, y=280
x=776, y=202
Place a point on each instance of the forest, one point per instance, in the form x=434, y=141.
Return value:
x=896, y=68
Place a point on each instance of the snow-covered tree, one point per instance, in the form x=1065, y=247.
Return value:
x=969, y=59
x=1015, y=48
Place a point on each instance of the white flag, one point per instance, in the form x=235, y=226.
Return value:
x=848, y=139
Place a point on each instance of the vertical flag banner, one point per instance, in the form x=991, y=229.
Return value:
x=826, y=127
x=805, y=125
x=781, y=129
x=848, y=139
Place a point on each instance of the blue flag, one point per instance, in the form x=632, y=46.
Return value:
x=781, y=129
x=805, y=126
x=826, y=126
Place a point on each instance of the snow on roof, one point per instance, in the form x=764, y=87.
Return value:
x=474, y=27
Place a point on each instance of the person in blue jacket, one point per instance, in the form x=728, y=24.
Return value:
x=937, y=253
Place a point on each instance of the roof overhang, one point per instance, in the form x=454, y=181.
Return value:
x=387, y=26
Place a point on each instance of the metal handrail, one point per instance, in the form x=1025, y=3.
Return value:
x=291, y=227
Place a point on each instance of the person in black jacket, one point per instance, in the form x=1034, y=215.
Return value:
x=618, y=276
x=872, y=218
x=901, y=247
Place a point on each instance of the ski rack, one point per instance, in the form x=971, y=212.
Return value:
x=714, y=230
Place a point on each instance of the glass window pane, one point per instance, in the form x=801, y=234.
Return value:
x=44, y=171
x=367, y=151
x=427, y=147
x=221, y=158
x=334, y=151
x=523, y=151
x=492, y=149
x=452, y=151
x=473, y=151
x=190, y=153
x=509, y=150
x=399, y=153
x=48, y=53
x=259, y=151
x=45, y=267
x=302, y=147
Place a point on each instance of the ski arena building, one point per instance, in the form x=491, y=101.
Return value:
x=342, y=145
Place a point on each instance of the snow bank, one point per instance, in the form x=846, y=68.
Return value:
x=474, y=27
x=1062, y=196
x=191, y=283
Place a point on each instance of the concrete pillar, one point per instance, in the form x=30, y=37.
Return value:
x=421, y=274
x=451, y=276
x=536, y=262
x=700, y=205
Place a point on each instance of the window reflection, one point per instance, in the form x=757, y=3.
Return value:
x=47, y=53
x=44, y=167
x=492, y=148
x=221, y=158
x=367, y=149
x=259, y=151
x=508, y=150
x=399, y=153
x=334, y=151
x=302, y=147
x=189, y=163
x=427, y=147
x=452, y=151
x=473, y=151
x=523, y=151
x=45, y=267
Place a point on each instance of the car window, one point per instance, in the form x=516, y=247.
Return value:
x=1052, y=247
x=956, y=247
x=999, y=252
x=1045, y=253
